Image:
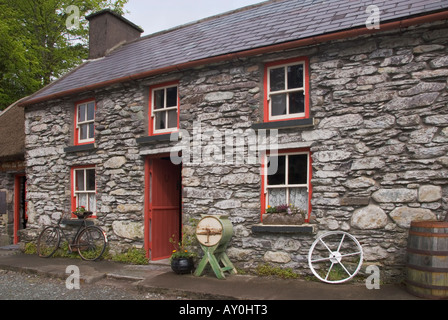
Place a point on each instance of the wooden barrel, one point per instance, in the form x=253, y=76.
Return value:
x=427, y=260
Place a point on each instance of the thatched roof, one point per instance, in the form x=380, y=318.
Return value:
x=12, y=133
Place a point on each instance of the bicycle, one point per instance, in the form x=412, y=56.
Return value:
x=89, y=241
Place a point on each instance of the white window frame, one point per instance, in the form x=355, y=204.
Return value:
x=286, y=91
x=86, y=122
x=287, y=186
x=164, y=109
x=87, y=192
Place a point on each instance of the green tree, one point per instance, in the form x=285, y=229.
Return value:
x=37, y=45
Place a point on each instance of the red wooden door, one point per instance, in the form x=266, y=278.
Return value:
x=164, y=206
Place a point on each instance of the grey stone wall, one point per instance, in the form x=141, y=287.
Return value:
x=379, y=147
x=119, y=168
x=7, y=212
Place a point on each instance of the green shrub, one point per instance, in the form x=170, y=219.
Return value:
x=30, y=248
x=268, y=270
x=132, y=256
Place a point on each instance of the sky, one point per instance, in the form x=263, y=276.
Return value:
x=157, y=15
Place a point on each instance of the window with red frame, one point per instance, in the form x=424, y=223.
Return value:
x=164, y=108
x=286, y=90
x=85, y=122
x=84, y=188
x=288, y=182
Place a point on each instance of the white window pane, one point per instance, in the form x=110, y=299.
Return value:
x=276, y=197
x=171, y=97
x=79, y=183
x=278, y=177
x=91, y=111
x=296, y=102
x=92, y=202
x=83, y=131
x=278, y=104
x=90, y=180
x=172, y=119
x=81, y=113
x=91, y=130
x=277, y=79
x=295, y=76
x=298, y=169
x=298, y=197
x=82, y=200
x=159, y=99
x=160, y=120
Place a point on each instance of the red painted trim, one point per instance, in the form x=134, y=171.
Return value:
x=310, y=189
x=76, y=130
x=17, y=206
x=150, y=119
x=148, y=245
x=72, y=187
x=251, y=52
x=264, y=179
x=306, y=68
x=263, y=184
x=147, y=214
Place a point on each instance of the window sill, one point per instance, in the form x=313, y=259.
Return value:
x=76, y=222
x=305, y=229
x=309, y=122
x=158, y=138
x=83, y=147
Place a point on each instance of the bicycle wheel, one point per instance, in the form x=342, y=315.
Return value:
x=48, y=242
x=335, y=257
x=91, y=243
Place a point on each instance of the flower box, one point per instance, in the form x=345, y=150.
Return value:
x=283, y=215
x=282, y=219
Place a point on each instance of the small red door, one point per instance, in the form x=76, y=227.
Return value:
x=164, y=206
x=20, y=206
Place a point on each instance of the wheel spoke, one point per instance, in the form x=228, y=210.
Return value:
x=350, y=254
x=320, y=259
x=345, y=269
x=48, y=242
x=329, y=270
x=325, y=245
x=340, y=244
x=91, y=243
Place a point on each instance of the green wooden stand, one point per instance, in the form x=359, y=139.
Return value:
x=214, y=255
x=215, y=249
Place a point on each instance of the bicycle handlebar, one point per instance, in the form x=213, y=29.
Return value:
x=62, y=217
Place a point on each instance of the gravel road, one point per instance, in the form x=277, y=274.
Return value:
x=20, y=286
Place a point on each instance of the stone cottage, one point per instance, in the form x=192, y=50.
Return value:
x=13, y=217
x=354, y=99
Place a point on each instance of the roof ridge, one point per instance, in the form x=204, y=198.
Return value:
x=219, y=15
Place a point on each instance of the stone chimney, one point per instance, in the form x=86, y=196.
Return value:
x=109, y=30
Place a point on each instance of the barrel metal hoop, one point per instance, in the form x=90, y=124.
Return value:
x=430, y=269
x=426, y=286
x=429, y=224
x=428, y=234
x=428, y=252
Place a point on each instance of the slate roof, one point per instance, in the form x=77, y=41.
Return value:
x=265, y=24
